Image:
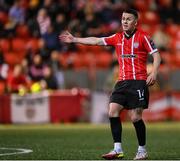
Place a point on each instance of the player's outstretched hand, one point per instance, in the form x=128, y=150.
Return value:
x=66, y=37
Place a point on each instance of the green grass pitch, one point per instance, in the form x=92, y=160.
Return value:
x=86, y=141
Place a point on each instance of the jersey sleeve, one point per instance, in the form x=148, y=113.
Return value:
x=111, y=40
x=149, y=45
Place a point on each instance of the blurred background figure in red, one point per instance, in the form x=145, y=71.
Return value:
x=17, y=81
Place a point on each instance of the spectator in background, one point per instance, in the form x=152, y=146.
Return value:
x=49, y=78
x=3, y=67
x=90, y=22
x=44, y=21
x=57, y=68
x=36, y=69
x=51, y=7
x=78, y=15
x=29, y=55
x=90, y=25
x=176, y=11
x=51, y=39
x=106, y=13
x=16, y=16
x=3, y=6
x=25, y=66
x=44, y=51
x=79, y=9
x=166, y=11
x=60, y=23
x=17, y=82
x=31, y=20
x=1, y=29
x=17, y=13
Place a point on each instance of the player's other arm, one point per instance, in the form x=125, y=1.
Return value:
x=151, y=49
x=156, y=63
x=69, y=38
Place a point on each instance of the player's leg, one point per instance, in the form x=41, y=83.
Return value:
x=115, y=123
x=116, y=130
x=138, y=99
x=140, y=128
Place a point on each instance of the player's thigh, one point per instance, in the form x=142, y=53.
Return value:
x=135, y=114
x=115, y=109
x=137, y=94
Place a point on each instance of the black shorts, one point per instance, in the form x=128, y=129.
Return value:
x=131, y=94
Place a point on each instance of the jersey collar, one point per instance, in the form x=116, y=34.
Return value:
x=129, y=36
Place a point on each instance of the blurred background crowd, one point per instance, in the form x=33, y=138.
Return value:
x=32, y=58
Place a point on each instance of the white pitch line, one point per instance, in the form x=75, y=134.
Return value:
x=19, y=151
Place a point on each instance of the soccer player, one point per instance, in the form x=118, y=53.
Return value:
x=131, y=90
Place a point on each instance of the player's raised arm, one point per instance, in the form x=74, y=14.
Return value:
x=69, y=38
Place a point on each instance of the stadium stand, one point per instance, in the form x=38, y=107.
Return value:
x=20, y=35
x=34, y=33
x=175, y=79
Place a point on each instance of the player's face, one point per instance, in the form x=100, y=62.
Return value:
x=128, y=22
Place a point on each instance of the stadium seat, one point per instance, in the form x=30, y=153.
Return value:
x=103, y=59
x=173, y=30
x=22, y=31
x=3, y=17
x=167, y=58
x=2, y=87
x=62, y=59
x=175, y=44
x=177, y=59
x=141, y=5
x=76, y=60
x=12, y=58
x=81, y=48
x=149, y=29
x=150, y=18
x=93, y=49
x=89, y=59
x=18, y=45
x=71, y=59
x=25, y=4
x=5, y=45
x=33, y=44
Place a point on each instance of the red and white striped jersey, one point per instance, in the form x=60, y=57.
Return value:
x=132, y=54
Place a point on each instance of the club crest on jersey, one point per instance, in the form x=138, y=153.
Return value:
x=136, y=45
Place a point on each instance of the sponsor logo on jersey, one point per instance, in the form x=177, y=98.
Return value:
x=129, y=56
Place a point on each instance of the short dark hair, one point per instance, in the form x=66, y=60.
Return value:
x=132, y=11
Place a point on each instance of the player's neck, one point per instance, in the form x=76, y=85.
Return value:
x=129, y=33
